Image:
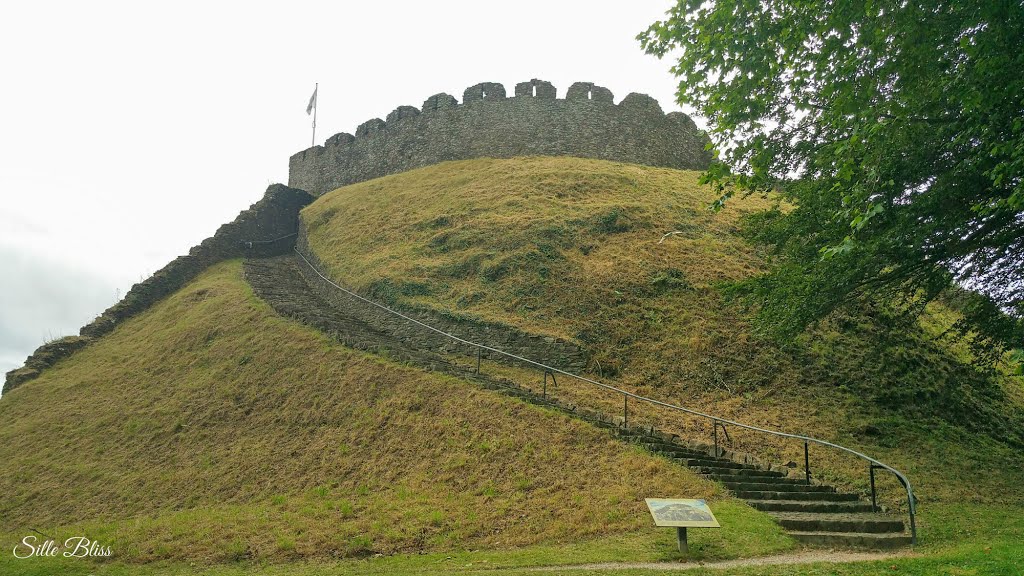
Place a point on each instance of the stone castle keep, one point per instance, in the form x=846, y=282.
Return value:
x=586, y=123
x=534, y=122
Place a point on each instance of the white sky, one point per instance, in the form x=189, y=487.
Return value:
x=129, y=131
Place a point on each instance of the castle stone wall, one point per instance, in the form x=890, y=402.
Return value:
x=269, y=227
x=534, y=122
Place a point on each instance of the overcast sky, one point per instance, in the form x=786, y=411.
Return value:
x=129, y=131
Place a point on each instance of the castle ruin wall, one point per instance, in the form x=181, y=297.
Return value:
x=534, y=122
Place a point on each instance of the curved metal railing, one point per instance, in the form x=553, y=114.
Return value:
x=716, y=420
x=252, y=243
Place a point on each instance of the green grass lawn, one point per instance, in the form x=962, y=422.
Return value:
x=981, y=540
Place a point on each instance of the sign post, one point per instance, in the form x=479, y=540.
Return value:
x=681, y=514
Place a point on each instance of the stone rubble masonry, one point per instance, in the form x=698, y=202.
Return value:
x=270, y=225
x=44, y=357
x=554, y=352
x=533, y=122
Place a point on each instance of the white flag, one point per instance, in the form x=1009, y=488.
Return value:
x=312, y=102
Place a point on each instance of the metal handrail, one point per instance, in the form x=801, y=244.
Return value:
x=250, y=243
x=716, y=421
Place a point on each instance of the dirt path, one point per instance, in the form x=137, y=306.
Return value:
x=810, y=557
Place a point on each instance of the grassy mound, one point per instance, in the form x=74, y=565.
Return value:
x=210, y=429
x=628, y=261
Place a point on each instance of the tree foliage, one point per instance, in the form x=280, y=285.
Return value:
x=893, y=128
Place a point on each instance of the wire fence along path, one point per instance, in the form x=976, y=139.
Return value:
x=717, y=421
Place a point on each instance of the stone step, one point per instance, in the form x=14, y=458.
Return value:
x=682, y=454
x=862, y=523
x=642, y=437
x=753, y=485
x=735, y=474
x=803, y=496
x=710, y=463
x=886, y=541
x=658, y=445
x=773, y=479
x=810, y=506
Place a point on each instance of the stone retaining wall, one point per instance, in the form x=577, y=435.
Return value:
x=554, y=352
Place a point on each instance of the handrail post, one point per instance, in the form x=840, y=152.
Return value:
x=911, y=500
x=625, y=412
x=913, y=524
x=478, y=359
x=714, y=433
x=874, y=497
x=554, y=381
x=807, y=462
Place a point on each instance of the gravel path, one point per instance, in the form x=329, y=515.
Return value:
x=809, y=557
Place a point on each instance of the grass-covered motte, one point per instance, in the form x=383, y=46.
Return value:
x=210, y=430
x=578, y=249
x=210, y=435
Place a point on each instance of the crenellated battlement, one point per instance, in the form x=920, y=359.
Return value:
x=488, y=123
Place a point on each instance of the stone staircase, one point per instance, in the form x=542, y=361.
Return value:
x=279, y=281
x=812, y=513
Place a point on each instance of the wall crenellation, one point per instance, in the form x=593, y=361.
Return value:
x=488, y=123
x=440, y=101
x=588, y=91
x=487, y=91
x=536, y=89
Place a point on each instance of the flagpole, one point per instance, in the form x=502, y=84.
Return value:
x=316, y=102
